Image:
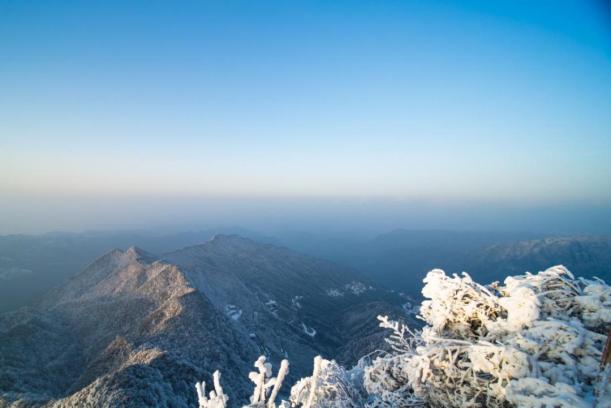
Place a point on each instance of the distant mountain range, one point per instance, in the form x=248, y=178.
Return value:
x=583, y=255
x=139, y=329
x=400, y=259
x=31, y=265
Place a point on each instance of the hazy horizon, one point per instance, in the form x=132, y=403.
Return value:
x=365, y=115
x=364, y=216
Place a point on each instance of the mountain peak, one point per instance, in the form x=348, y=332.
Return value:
x=231, y=238
x=222, y=243
x=139, y=254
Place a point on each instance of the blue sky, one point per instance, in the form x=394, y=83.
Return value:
x=490, y=103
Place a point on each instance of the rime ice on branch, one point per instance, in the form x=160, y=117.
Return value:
x=266, y=386
x=534, y=341
x=216, y=399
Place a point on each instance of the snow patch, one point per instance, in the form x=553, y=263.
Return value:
x=308, y=330
x=233, y=312
x=272, y=306
x=334, y=293
x=296, y=302
x=356, y=288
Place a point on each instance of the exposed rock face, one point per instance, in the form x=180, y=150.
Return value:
x=134, y=329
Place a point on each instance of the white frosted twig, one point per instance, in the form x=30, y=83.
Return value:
x=259, y=380
x=200, y=387
x=314, y=382
x=216, y=379
x=284, y=368
x=216, y=399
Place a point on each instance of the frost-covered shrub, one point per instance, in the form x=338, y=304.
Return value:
x=535, y=341
x=329, y=386
x=459, y=307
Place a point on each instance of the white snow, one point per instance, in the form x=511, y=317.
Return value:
x=233, y=312
x=356, y=287
x=334, y=293
x=308, y=330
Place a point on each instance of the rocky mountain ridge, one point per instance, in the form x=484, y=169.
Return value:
x=140, y=328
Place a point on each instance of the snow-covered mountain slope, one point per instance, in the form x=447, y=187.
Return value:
x=288, y=303
x=138, y=328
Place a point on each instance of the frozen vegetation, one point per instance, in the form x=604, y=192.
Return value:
x=534, y=341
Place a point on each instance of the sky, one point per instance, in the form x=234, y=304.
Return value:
x=393, y=113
